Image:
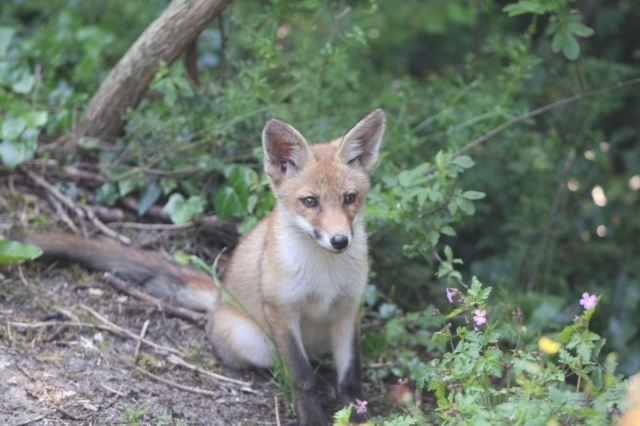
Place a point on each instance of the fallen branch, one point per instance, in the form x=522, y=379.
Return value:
x=163, y=41
x=176, y=311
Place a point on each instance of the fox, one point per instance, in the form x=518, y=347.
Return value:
x=298, y=276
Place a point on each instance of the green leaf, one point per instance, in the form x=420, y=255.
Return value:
x=523, y=7
x=6, y=34
x=455, y=313
x=463, y=161
x=447, y=230
x=127, y=186
x=227, y=204
x=341, y=417
x=466, y=206
x=13, y=153
x=35, y=119
x=473, y=195
x=24, y=84
x=12, y=128
x=182, y=211
x=571, y=48
x=15, y=252
x=580, y=30
x=150, y=195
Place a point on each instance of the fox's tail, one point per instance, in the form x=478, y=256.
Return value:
x=159, y=276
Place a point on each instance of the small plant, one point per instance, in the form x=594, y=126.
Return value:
x=487, y=377
x=133, y=415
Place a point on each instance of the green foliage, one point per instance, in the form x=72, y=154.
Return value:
x=15, y=252
x=133, y=415
x=490, y=376
x=565, y=24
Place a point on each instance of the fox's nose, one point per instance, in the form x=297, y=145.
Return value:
x=339, y=241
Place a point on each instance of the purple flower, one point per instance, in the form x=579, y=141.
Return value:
x=479, y=318
x=451, y=294
x=361, y=406
x=588, y=301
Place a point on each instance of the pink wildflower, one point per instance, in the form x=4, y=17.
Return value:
x=451, y=294
x=588, y=301
x=361, y=406
x=479, y=318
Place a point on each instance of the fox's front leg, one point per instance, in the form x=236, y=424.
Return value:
x=345, y=339
x=285, y=329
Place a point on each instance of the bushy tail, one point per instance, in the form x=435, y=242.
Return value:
x=159, y=276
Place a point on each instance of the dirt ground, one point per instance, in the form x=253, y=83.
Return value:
x=63, y=374
x=61, y=364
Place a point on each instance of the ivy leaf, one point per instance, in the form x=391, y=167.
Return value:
x=150, y=195
x=16, y=252
x=12, y=128
x=227, y=204
x=13, y=153
x=182, y=211
x=35, y=119
x=24, y=83
x=6, y=34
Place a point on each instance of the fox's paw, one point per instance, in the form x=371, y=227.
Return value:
x=310, y=411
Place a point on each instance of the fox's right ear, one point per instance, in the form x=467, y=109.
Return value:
x=285, y=150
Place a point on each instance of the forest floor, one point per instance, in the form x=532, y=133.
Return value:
x=65, y=358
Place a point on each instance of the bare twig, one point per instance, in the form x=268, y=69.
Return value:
x=114, y=327
x=104, y=228
x=177, y=311
x=275, y=403
x=80, y=211
x=68, y=202
x=139, y=343
x=154, y=226
x=112, y=390
x=182, y=363
x=174, y=384
x=62, y=213
x=536, y=112
x=551, y=219
x=33, y=419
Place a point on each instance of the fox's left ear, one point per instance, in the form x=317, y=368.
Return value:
x=359, y=147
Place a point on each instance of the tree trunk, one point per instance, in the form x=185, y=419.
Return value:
x=163, y=41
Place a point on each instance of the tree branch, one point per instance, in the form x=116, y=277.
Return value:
x=163, y=41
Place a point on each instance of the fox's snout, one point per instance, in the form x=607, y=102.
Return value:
x=339, y=241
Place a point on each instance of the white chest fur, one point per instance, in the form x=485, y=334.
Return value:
x=318, y=281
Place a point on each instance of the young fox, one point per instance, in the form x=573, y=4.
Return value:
x=300, y=272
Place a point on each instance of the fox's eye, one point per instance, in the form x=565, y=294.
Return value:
x=350, y=198
x=309, y=202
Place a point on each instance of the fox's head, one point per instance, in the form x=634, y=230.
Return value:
x=322, y=188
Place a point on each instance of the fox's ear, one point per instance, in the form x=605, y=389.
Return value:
x=359, y=147
x=285, y=150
